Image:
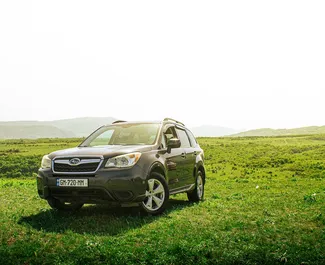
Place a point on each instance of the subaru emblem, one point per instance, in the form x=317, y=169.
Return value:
x=74, y=161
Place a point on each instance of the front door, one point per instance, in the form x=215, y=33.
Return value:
x=175, y=160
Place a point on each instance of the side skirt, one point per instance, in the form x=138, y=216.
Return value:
x=182, y=189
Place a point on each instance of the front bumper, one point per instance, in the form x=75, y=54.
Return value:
x=105, y=186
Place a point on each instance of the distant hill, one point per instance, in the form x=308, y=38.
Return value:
x=32, y=132
x=81, y=126
x=68, y=128
x=282, y=132
x=212, y=131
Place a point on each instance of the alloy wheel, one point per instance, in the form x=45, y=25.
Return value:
x=155, y=195
x=199, y=185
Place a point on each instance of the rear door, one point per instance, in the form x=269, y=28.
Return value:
x=192, y=153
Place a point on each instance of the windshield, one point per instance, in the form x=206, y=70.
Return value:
x=124, y=134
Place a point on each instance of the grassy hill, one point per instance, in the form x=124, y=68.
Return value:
x=264, y=204
x=283, y=132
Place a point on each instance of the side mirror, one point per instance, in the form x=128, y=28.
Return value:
x=173, y=143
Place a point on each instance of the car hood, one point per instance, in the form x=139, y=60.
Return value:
x=105, y=151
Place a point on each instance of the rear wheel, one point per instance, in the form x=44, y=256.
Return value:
x=198, y=193
x=64, y=206
x=157, y=194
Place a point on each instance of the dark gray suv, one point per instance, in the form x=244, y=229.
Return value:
x=128, y=164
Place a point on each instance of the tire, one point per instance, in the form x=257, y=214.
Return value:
x=197, y=194
x=64, y=206
x=157, y=195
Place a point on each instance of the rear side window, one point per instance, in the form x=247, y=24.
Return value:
x=192, y=138
x=182, y=136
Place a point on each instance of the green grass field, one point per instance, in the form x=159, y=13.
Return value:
x=264, y=204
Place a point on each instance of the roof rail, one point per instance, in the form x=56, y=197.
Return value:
x=170, y=119
x=118, y=121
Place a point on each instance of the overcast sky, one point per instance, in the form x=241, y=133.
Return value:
x=240, y=64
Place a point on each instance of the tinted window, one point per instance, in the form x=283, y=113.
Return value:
x=192, y=138
x=170, y=133
x=182, y=136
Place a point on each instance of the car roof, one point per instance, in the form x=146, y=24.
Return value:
x=134, y=122
x=120, y=122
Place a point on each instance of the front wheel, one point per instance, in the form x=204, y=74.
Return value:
x=157, y=195
x=64, y=206
x=198, y=193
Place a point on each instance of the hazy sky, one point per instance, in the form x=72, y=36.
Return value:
x=241, y=64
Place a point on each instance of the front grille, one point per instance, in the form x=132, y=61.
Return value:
x=85, y=165
x=75, y=175
x=91, y=167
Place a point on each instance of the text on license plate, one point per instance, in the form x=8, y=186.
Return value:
x=72, y=182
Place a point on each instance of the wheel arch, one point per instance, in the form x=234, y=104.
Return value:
x=158, y=168
x=199, y=167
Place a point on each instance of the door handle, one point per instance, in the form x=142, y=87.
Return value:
x=183, y=155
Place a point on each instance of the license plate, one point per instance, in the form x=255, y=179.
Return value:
x=72, y=182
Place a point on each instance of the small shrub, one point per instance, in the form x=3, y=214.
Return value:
x=310, y=198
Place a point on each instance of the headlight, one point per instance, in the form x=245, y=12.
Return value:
x=122, y=161
x=46, y=162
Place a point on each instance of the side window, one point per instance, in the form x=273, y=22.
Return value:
x=192, y=138
x=170, y=133
x=185, y=142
